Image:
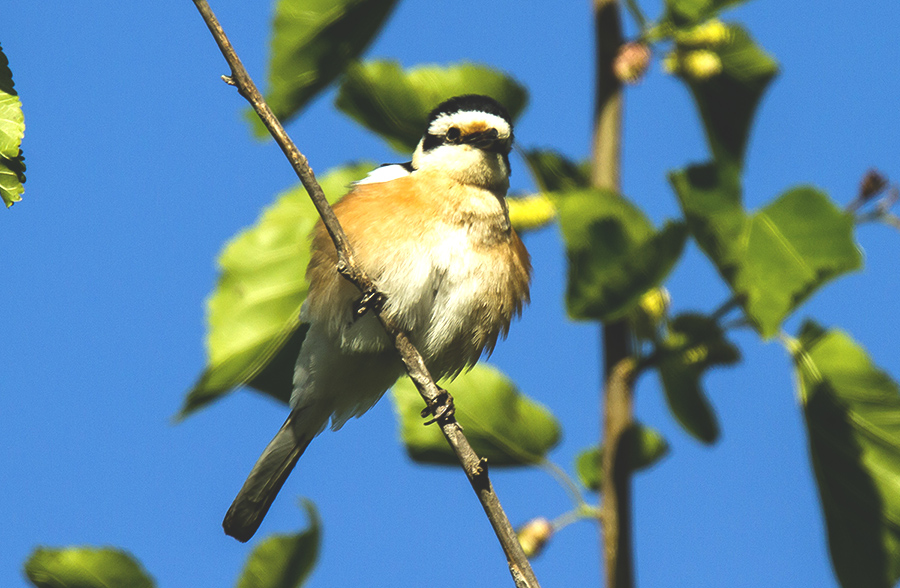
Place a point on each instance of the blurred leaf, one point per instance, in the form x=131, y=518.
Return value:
x=277, y=377
x=395, y=104
x=852, y=411
x=614, y=254
x=284, y=561
x=85, y=567
x=313, y=42
x=255, y=309
x=552, y=172
x=531, y=213
x=502, y=424
x=589, y=467
x=694, y=344
x=12, y=129
x=775, y=258
x=691, y=12
x=647, y=447
x=727, y=102
x=710, y=197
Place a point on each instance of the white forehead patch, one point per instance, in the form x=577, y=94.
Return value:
x=467, y=118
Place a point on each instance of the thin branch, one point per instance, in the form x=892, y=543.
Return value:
x=436, y=399
x=871, y=185
x=618, y=363
x=891, y=219
x=573, y=516
x=882, y=212
x=566, y=482
x=636, y=14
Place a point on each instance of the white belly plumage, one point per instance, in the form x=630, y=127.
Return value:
x=436, y=291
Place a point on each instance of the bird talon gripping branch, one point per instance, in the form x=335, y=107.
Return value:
x=442, y=409
x=371, y=300
x=434, y=234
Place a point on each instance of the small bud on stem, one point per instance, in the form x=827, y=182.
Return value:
x=534, y=535
x=631, y=62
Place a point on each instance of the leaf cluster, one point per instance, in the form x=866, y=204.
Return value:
x=12, y=129
x=772, y=259
x=278, y=561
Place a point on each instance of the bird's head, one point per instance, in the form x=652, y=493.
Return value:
x=468, y=138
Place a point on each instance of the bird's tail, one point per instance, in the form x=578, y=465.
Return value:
x=265, y=480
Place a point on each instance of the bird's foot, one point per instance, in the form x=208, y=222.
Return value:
x=441, y=409
x=370, y=300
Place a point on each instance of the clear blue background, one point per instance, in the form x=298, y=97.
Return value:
x=140, y=168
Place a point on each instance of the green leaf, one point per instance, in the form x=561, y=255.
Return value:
x=614, y=254
x=852, y=412
x=284, y=561
x=690, y=12
x=553, y=172
x=646, y=447
x=795, y=245
x=313, y=42
x=395, y=104
x=12, y=122
x=12, y=129
x=727, y=101
x=710, y=197
x=694, y=344
x=502, y=424
x=775, y=258
x=531, y=212
x=85, y=567
x=254, y=312
x=12, y=178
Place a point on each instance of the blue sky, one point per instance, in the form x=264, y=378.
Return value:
x=140, y=168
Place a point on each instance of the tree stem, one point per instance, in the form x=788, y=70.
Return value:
x=474, y=467
x=618, y=363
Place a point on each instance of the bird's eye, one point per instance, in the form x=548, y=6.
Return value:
x=453, y=134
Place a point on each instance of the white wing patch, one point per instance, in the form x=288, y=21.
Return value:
x=385, y=173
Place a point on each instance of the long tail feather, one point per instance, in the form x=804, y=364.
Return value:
x=265, y=480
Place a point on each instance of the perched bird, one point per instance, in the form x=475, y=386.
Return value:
x=434, y=235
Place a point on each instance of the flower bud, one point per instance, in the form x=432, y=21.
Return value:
x=631, y=62
x=649, y=312
x=655, y=303
x=873, y=184
x=534, y=535
x=695, y=355
x=712, y=33
x=701, y=64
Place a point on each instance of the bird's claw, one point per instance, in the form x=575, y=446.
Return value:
x=442, y=408
x=370, y=300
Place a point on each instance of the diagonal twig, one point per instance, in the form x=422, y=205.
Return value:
x=436, y=399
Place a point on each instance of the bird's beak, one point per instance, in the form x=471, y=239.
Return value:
x=487, y=140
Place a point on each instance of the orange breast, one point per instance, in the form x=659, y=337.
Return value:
x=452, y=269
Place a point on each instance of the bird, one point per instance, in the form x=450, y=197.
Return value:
x=435, y=237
